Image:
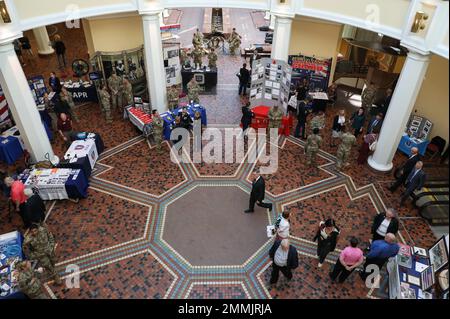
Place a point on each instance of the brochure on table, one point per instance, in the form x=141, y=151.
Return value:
x=270, y=83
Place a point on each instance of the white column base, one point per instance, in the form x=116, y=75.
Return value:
x=379, y=167
x=267, y=15
x=46, y=52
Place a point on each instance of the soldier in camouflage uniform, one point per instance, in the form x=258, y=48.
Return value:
x=368, y=96
x=184, y=58
x=127, y=92
x=212, y=59
x=234, y=41
x=67, y=96
x=318, y=121
x=193, y=90
x=115, y=85
x=173, y=97
x=275, y=116
x=28, y=282
x=158, y=127
x=197, y=40
x=312, y=148
x=344, y=149
x=39, y=245
x=105, y=99
x=197, y=55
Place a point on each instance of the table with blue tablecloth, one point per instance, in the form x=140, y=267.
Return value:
x=398, y=275
x=169, y=117
x=56, y=183
x=10, y=254
x=406, y=143
x=10, y=149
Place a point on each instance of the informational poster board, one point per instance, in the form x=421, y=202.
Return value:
x=419, y=127
x=38, y=88
x=316, y=70
x=270, y=83
x=172, y=65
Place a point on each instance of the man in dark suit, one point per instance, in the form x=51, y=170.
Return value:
x=387, y=101
x=257, y=195
x=55, y=83
x=302, y=113
x=415, y=181
x=284, y=257
x=375, y=122
x=247, y=116
x=406, y=168
x=385, y=223
x=244, y=78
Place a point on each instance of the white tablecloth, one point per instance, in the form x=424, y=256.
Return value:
x=51, y=183
x=82, y=148
x=319, y=95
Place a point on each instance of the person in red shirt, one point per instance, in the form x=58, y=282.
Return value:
x=17, y=196
x=65, y=127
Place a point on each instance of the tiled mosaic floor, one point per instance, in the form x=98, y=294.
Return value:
x=117, y=235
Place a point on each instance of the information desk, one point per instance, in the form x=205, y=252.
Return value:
x=207, y=85
x=10, y=255
x=140, y=118
x=56, y=183
x=398, y=278
x=10, y=149
x=82, y=154
x=406, y=143
x=261, y=120
x=82, y=93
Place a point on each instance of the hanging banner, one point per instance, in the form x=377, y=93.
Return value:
x=317, y=71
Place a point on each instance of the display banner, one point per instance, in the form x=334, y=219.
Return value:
x=317, y=71
x=4, y=113
x=38, y=88
x=172, y=64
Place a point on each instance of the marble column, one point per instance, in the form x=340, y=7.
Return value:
x=43, y=41
x=281, y=37
x=400, y=108
x=22, y=105
x=154, y=61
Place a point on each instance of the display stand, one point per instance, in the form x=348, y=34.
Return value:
x=172, y=64
x=416, y=135
x=316, y=70
x=38, y=88
x=413, y=272
x=270, y=83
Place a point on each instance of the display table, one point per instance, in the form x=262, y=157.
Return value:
x=320, y=101
x=207, y=86
x=10, y=254
x=261, y=120
x=82, y=154
x=95, y=136
x=398, y=274
x=11, y=149
x=140, y=118
x=56, y=183
x=406, y=143
x=82, y=93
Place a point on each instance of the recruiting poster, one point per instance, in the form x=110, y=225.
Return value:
x=37, y=86
x=316, y=70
